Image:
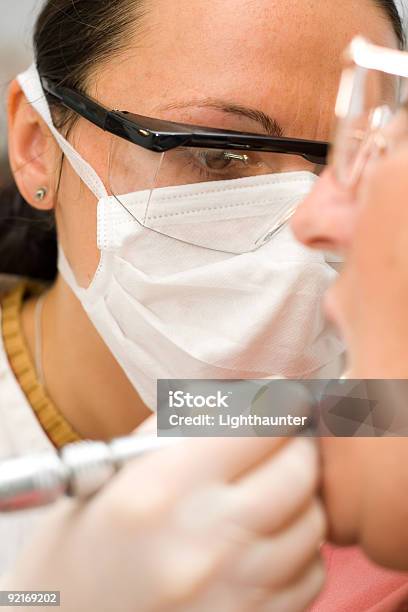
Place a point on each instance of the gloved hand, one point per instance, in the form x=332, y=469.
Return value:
x=210, y=524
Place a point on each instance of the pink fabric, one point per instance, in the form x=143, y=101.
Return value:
x=354, y=584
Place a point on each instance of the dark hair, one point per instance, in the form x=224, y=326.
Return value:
x=390, y=9
x=71, y=37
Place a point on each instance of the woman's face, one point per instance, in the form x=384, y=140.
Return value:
x=365, y=481
x=212, y=63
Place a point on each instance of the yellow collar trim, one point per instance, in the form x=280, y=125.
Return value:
x=57, y=428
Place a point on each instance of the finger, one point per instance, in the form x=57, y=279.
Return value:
x=274, y=562
x=297, y=597
x=156, y=485
x=193, y=461
x=271, y=496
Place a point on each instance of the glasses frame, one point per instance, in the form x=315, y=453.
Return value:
x=159, y=135
x=359, y=57
x=361, y=53
x=374, y=57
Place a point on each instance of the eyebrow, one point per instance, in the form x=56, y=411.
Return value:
x=268, y=123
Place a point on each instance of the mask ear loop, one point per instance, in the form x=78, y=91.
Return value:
x=30, y=84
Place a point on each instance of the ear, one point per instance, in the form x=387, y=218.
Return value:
x=34, y=153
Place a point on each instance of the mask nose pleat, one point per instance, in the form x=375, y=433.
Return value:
x=234, y=216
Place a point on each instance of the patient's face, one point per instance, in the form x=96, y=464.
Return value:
x=365, y=489
x=365, y=480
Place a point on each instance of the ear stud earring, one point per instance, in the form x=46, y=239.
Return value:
x=40, y=194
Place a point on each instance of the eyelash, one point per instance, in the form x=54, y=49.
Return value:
x=233, y=170
x=194, y=161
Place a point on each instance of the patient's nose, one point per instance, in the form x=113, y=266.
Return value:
x=326, y=218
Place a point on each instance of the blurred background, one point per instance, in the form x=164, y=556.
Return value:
x=16, y=21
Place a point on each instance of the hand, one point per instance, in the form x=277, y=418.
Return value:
x=210, y=524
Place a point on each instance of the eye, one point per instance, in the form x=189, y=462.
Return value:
x=221, y=160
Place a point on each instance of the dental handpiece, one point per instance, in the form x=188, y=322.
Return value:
x=78, y=470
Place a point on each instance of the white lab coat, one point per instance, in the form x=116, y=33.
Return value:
x=20, y=433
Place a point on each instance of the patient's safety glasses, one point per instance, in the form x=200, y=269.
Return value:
x=371, y=108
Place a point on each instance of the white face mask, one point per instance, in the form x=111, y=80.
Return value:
x=171, y=309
